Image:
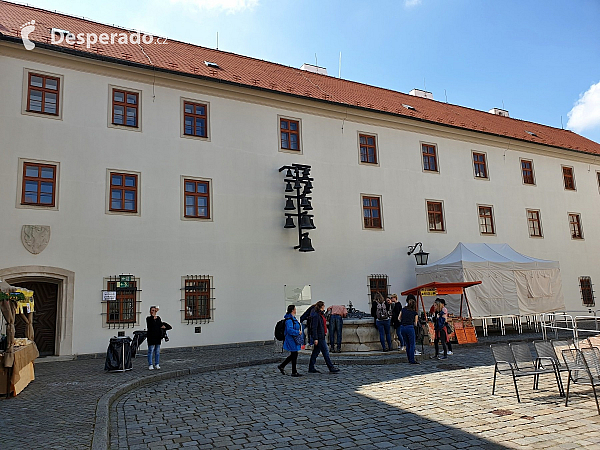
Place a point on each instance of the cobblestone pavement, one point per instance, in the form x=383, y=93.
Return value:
x=438, y=404
x=58, y=409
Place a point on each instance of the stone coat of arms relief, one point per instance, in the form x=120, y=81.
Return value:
x=35, y=238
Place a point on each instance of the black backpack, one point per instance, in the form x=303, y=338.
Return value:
x=280, y=330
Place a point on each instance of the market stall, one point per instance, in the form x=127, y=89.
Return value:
x=464, y=330
x=16, y=359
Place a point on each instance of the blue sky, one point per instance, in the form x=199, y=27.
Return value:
x=540, y=60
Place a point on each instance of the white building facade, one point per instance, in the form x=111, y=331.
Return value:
x=114, y=199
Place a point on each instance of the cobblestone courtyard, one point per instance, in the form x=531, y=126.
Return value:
x=442, y=405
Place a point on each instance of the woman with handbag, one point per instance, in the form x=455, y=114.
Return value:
x=293, y=340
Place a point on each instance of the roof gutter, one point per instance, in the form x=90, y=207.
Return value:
x=99, y=57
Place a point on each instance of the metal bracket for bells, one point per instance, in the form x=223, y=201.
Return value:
x=298, y=187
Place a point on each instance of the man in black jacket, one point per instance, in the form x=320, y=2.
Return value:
x=318, y=332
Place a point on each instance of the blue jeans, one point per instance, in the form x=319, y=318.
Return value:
x=154, y=350
x=400, y=338
x=318, y=348
x=335, y=329
x=408, y=333
x=306, y=336
x=384, y=326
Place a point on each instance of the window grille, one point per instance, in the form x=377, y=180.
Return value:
x=197, y=302
x=587, y=291
x=123, y=310
x=378, y=283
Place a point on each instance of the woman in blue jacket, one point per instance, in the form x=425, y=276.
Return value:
x=292, y=340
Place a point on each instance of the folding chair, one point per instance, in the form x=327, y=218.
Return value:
x=526, y=362
x=579, y=369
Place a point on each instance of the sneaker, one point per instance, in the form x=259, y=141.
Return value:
x=157, y=366
x=402, y=349
x=416, y=362
x=150, y=367
x=449, y=352
x=313, y=371
x=334, y=370
x=442, y=357
x=296, y=374
x=417, y=353
x=281, y=369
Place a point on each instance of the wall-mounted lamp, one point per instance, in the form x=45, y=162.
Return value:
x=420, y=256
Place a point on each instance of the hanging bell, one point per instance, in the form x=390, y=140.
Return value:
x=309, y=184
x=306, y=222
x=289, y=222
x=288, y=187
x=305, y=204
x=289, y=205
x=305, y=244
x=289, y=173
x=306, y=191
x=297, y=185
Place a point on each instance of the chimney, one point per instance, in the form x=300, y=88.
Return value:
x=421, y=93
x=499, y=112
x=314, y=69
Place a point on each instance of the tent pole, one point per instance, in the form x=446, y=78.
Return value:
x=467, y=302
x=461, y=302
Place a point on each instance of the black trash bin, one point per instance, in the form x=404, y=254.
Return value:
x=138, y=339
x=118, y=355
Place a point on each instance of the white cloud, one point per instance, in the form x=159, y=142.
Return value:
x=229, y=6
x=411, y=3
x=585, y=114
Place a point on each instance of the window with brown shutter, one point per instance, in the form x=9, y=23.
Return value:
x=39, y=184
x=527, y=171
x=480, y=165
x=568, y=178
x=43, y=94
x=435, y=215
x=123, y=192
x=486, y=220
x=372, y=212
x=289, y=134
x=429, y=157
x=575, y=226
x=534, y=223
x=368, y=149
x=125, y=108
x=195, y=119
x=197, y=198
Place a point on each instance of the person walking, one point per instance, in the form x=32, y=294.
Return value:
x=383, y=321
x=305, y=321
x=336, y=323
x=439, y=325
x=293, y=340
x=154, y=327
x=396, y=308
x=408, y=321
x=318, y=331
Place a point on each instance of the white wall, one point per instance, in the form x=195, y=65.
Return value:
x=245, y=248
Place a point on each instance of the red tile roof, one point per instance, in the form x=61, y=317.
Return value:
x=190, y=60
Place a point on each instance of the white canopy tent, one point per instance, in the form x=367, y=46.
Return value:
x=512, y=283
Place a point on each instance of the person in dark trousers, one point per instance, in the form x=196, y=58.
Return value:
x=396, y=308
x=383, y=321
x=318, y=332
x=336, y=323
x=409, y=319
x=154, y=327
x=439, y=325
x=305, y=317
x=292, y=341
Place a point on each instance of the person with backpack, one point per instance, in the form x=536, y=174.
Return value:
x=439, y=325
x=292, y=340
x=318, y=330
x=396, y=308
x=383, y=321
x=409, y=319
x=305, y=321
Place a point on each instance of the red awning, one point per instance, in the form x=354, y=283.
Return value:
x=434, y=288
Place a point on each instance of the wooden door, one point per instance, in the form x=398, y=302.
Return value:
x=44, y=316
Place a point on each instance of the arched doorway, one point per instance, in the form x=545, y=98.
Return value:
x=53, y=317
x=44, y=318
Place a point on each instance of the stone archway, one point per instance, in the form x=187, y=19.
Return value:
x=66, y=288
